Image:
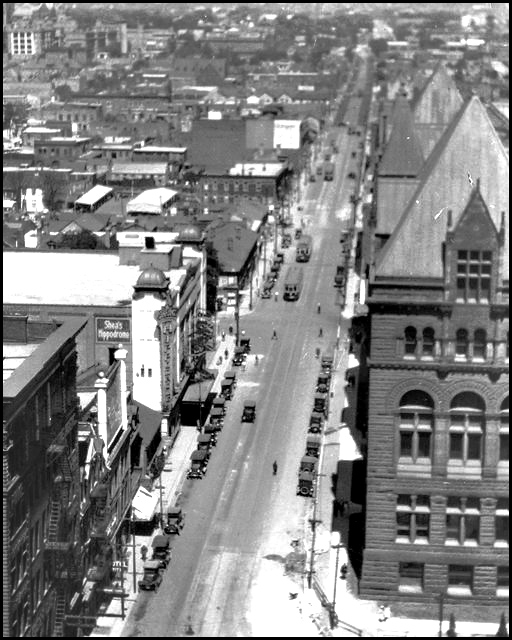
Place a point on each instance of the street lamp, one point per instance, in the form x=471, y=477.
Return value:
x=335, y=544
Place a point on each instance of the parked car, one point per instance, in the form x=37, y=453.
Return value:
x=249, y=412
x=161, y=550
x=175, y=518
x=152, y=577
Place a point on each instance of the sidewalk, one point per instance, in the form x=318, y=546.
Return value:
x=176, y=466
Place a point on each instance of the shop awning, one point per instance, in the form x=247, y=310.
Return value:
x=144, y=504
x=198, y=392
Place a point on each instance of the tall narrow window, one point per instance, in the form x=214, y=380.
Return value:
x=480, y=345
x=460, y=579
x=467, y=426
x=461, y=344
x=504, y=421
x=412, y=518
x=462, y=521
x=428, y=342
x=501, y=522
x=410, y=577
x=410, y=341
x=474, y=276
x=416, y=424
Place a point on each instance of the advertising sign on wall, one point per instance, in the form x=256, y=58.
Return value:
x=114, y=415
x=113, y=330
x=287, y=134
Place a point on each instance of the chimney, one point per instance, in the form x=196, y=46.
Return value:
x=449, y=219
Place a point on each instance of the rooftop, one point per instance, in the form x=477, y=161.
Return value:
x=14, y=355
x=257, y=169
x=78, y=278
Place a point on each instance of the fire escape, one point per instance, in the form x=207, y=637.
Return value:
x=61, y=549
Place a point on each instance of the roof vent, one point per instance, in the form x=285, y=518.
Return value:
x=149, y=242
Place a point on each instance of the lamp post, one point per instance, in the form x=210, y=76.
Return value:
x=335, y=544
x=160, y=488
x=313, y=522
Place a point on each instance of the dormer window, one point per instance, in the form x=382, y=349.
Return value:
x=473, y=276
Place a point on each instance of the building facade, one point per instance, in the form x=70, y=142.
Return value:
x=41, y=562
x=437, y=507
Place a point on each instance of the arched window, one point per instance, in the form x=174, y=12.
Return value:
x=410, y=341
x=480, y=344
x=504, y=420
x=461, y=344
x=416, y=424
x=467, y=425
x=428, y=342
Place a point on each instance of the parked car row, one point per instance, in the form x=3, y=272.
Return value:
x=308, y=467
x=272, y=277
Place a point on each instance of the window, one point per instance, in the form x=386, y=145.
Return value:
x=480, y=345
x=460, y=579
x=462, y=521
x=410, y=341
x=412, y=518
x=150, y=373
x=428, y=342
x=416, y=423
x=410, y=577
x=473, y=276
x=466, y=428
x=461, y=344
x=501, y=522
x=503, y=455
x=502, y=580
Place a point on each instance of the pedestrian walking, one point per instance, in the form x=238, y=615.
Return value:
x=226, y=354
x=223, y=336
x=320, y=333
x=274, y=468
x=276, y=296
x=143, y=552
x=318, y=308
x=274, y=335
x=256, y=360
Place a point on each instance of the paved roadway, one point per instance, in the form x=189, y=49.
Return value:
x=240, y=519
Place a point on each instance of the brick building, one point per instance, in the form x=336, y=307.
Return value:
x=41, y=565
x=437, y=340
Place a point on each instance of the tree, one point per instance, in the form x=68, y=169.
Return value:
x=51, y=186
x=82, y=240
x=378, y=46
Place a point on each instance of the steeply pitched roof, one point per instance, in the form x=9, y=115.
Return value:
x=469, y=149
x=434, y=107
x=233, y=244
x=403, y=155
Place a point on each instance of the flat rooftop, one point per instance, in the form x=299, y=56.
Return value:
x=14, y=355
x=71, y=278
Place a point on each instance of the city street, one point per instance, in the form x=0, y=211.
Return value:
x=241, y=519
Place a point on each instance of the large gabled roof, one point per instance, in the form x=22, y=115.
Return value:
x=403, y=155
x=470, y=149
x=434, y=107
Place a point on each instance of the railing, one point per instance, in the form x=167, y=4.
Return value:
x=325, y=602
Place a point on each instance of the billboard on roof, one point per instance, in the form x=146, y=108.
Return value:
x=287, y=134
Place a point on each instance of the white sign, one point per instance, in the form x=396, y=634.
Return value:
x=287, y=134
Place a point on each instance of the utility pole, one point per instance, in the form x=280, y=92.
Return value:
x=313, y=522
x=237, y=317
x=134, y=559
x=441, y=607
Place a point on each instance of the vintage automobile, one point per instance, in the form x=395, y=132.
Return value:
x=266, y=293
x=239, y=357
x=161, y=550
x=152, y=577
x=245, y=343
x=306, y=484
x=298, y=234
x=175, y=520
x=205, y=441
x=352, y=174
x=286, y=240
x=217, y=418
x=199, y=463
x=322, y=383
x=308, y=463
x=316, y=422
x=326, y=364
x=313, y=444
x=219, y=403
x=321, y=403
x=279, y=259
x=226, y=389
x=211, y=430
x=249, y=412
x=231, y=375
x=312, y=177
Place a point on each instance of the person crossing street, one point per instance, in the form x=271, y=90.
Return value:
x=274, y=468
